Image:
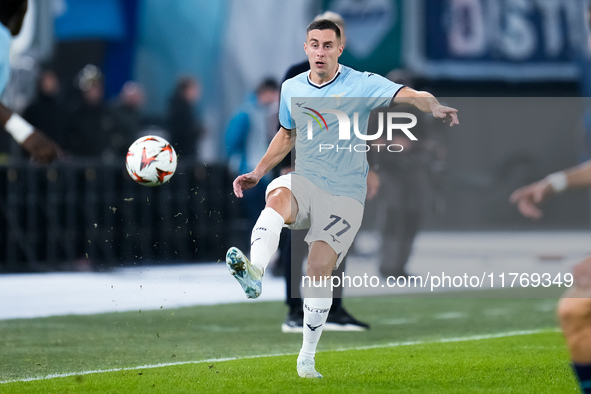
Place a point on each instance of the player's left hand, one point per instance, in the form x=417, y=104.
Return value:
x=529, y=197
x=446, y=114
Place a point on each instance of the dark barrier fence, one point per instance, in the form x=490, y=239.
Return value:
x=89, y=215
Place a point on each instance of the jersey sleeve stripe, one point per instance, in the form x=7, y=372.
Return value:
x=286, y=128
x=396, y=94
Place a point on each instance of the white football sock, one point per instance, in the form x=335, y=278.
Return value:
x=264, y=239
x=315, y=314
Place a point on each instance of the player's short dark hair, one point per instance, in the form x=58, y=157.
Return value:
x=184, y=82
x=9, y=8
x=267, y=84
x=324, y=24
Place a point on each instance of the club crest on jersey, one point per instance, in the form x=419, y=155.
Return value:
x=337, y=98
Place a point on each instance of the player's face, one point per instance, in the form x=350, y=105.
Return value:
x=323, y=49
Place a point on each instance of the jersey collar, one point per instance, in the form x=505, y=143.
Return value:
x=327, y=82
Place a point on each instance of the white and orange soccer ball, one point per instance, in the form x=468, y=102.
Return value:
x=151, y=161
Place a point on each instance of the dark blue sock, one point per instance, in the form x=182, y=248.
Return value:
x=583, y=372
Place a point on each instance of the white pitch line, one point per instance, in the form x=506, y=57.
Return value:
x=452, y=339
x=399, y=321
x=211, y=360
x=449, y=315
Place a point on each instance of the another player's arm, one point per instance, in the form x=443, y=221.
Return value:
x=41, y=148
x=426, y=102
x=528, y=197
x=579, y=176
x=279, y=147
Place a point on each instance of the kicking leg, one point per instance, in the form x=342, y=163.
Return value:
x=280, y=209
x=264, y=239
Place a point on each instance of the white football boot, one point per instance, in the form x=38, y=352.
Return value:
x=306, y=369
x=245, y=273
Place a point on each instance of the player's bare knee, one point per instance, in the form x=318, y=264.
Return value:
x=280, y=200
x=321, y=260
x=565, y=310
x=574, y=313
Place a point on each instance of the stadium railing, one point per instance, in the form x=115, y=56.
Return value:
x=91, y=215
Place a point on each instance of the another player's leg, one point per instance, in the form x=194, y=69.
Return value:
x=263, y=242
x=294, y=257
x=574, y=313
x=318, y=299
x=339, y=319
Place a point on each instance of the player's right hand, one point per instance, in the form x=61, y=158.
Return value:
x=41, y=148
x=529, y=197
x=244, y=182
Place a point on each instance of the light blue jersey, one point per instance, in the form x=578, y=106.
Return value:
x=306, y=107
x=5, y=40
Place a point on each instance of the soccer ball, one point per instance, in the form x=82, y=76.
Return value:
x=151, y=161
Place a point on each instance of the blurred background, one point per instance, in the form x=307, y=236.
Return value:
x=96, y=75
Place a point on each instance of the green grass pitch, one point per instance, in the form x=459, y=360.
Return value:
x=415, y=345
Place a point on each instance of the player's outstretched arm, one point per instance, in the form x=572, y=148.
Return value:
x=426, y=102
x=529, y=197
x=41, y=148
x=279, y=147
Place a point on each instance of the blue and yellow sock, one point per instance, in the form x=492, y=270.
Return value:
x=583, y=372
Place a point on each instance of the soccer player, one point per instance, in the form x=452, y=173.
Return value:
x=339, y=319
x=326, y=186
x=40, y=147
x=574, y=309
